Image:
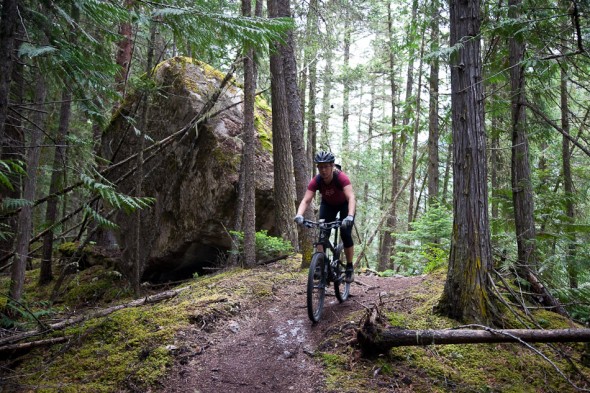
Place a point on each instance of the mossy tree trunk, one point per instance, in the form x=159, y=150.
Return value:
x=466, y=296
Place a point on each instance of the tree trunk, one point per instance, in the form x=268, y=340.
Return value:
x=346, y=85
x=301, y=167
x=8, y=23
x=25, y=218
x=57, y=181
x=12, y=147
x=388, y=240
x=124, y=52
x=248, y=156
x=568, y=185
x=411, y=216
x=522, y=195
x=467, y=295
x=282, y=156
x=310, y=62
x=327, y=104
x=522, y=192
x=433, y=122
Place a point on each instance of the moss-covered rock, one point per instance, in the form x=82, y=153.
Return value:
x=194, y=179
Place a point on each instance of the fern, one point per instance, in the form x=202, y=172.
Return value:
x=98, y=218
x=9, y=204
x=120, y=201
x=8, y=168
x=577, y=301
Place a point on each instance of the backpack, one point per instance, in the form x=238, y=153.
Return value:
x=336, y=180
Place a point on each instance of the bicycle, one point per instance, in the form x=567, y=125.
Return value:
x=325, y=267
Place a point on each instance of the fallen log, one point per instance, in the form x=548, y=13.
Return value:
x=374, y=339
x=96, y=314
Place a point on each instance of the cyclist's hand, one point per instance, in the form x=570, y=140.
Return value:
x=348, y=221
x=299, y=219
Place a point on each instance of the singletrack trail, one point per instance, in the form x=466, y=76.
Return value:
x=269, y=346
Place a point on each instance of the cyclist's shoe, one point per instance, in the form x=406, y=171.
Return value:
x=349, y=274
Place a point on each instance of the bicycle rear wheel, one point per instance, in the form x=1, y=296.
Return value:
x=316, y=287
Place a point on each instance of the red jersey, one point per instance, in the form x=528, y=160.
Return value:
x=332, y=193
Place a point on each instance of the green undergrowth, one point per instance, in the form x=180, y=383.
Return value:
x=130, y=349
x=503, y=367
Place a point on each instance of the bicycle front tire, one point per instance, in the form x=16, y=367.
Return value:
x=316, y=287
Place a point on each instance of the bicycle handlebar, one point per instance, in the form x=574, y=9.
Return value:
x=322, y=225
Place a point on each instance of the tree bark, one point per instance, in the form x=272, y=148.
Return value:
x=124, y=52
x=433, y=122
x=388, y=240
x=282, y=156
x=25, y=218
x=8, y=23
x=413, y=170
x=467, y=292
x=568, y=186
x=346, y=83
x=300, y=163
x=310, y=62
x=249, y=218
x=57, y=177
x=522, y=192
x=12, y=144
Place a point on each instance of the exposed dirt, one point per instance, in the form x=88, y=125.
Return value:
x=269, y=346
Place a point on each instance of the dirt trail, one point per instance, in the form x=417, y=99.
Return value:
x=269, y=347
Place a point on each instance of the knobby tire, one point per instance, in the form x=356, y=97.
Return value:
x=316, y=287
x=341, y=287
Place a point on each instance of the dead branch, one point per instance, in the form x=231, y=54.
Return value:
x=30, y=345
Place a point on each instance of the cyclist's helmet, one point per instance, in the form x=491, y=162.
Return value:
x=324, y=156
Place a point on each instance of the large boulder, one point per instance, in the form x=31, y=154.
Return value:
x=195, y=178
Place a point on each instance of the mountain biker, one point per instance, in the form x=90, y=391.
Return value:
x=337, y=197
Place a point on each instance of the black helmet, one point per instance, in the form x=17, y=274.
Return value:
x=324, y=156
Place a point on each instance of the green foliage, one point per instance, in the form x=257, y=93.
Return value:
x=577, y=301
x=9, y=168
x=20, y=314
x=426, y=247
x=204, y=27
x=116, y=199
x=267, y=247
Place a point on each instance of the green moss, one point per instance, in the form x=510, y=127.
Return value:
x=262, y=123
x=396, y=320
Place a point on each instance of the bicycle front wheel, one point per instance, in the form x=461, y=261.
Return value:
x=316, y=287
x=341, y=287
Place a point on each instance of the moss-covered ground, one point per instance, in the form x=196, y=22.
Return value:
x=133, y=348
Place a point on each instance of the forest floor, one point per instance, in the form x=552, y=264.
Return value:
x=247, y=330
x=271, y=346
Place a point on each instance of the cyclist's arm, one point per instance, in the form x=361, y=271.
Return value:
x=307, y=198
x=349, y=194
